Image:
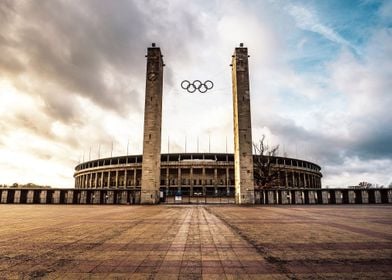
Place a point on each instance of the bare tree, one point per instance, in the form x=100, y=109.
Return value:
x=365, y=185
x=266, y=173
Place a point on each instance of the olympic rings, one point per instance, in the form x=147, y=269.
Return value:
x=197, y=85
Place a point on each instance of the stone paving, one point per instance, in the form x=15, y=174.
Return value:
x=195, y=242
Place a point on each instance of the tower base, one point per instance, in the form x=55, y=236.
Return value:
x=149, y=197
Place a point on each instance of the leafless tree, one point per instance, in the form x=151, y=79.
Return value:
x=365, y=185
x=266, y=172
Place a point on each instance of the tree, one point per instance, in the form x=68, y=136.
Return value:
x=266, y=173
x=365, y=185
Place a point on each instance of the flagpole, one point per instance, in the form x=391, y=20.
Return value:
x=111, y=152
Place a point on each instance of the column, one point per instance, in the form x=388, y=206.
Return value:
x=215, y=180
x=203, y=179
x=96, y=180
x=191, y=178
x=227, y=180
x=243, y=158
x=167, y=181
x=179, y=183
x=151, y=164
x=125, y=178
x=134, y=177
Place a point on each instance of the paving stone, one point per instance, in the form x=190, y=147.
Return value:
x=195, y=242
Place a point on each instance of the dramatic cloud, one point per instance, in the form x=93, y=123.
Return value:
x=72, y=82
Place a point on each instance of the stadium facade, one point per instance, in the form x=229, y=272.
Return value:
x=190, y=173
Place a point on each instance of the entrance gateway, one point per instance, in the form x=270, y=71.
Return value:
x=243, y=158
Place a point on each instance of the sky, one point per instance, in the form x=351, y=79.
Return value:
x=72, y=82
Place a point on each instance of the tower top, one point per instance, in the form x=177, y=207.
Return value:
x=241, y=45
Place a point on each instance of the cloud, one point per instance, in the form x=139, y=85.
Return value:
x=94, y=50
x=365, y=84
x=75, y=81
x=307, y=19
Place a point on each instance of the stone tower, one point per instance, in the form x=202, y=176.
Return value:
x=151, y=164
x=243, y=158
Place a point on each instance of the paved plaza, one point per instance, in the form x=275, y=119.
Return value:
x=195, y=242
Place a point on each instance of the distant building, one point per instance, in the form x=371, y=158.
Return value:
x=190, y=173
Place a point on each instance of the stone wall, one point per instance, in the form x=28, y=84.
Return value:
x=265, y=197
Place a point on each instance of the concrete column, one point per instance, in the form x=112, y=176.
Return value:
x=215, y=180
x=286, y=179
x=311, y=197
x=90, y=180
x=284, y=195
x=203, y=179
x=108, y=184
x=227, y=180
x=167, y=181
x=116, y=179
x=125, y=178
x=298, y=197
x=338, y=197
x=191, y=178
x=305, y=181
x=243, y=158
x=134, y=177
x=271, y=197
x=294, y=182
x=96, y=180
x=351, y=197
x=102, y=180
x=167, y=177
x=179, y=183
x=151, y=165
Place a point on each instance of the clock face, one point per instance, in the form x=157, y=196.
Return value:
x=152, y=76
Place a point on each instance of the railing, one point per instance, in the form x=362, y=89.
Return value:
x=132, y=196
x=69, y=196
x=324, y=196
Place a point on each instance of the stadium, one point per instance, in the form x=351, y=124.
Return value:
x=196, y=174
x=190, y=173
